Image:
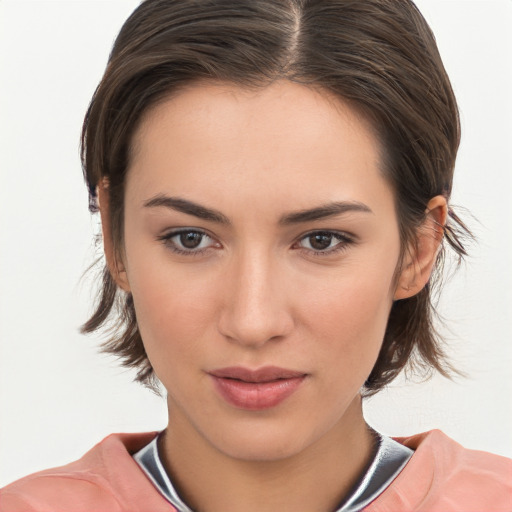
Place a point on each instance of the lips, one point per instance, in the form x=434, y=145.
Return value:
x=256, y=389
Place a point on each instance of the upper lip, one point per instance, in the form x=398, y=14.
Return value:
x=264, y=374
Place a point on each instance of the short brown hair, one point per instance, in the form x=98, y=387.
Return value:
x=378, y=55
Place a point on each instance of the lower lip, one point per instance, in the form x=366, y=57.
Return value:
x=256, y=396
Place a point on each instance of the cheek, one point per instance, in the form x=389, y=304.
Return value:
x=349, y=316
x=172, y=326
x=171, y=308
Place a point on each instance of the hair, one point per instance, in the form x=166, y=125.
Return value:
x=380, y=56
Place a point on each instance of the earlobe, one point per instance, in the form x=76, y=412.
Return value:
x=421, y=254
x=116, y=268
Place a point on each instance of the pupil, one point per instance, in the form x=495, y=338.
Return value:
x=319, y=242
x=190, y=240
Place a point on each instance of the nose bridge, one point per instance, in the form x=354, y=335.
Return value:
x=256, y=308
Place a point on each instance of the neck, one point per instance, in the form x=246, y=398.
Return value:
x=318, y=478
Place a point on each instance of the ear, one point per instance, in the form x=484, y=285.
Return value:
x=116, y=267
x=422, y=253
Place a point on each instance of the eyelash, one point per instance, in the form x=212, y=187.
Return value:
x=167, y=241
x=344, y=240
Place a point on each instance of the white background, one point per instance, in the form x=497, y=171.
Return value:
x=58, y=396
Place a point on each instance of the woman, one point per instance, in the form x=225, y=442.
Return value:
x=273, y=180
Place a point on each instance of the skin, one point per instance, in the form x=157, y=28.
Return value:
x=256, y=293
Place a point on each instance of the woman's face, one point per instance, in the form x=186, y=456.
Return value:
x=261, y=243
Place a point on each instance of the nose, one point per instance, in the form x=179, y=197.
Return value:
x=255, y=307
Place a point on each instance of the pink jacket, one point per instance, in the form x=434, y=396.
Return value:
x=441, y=476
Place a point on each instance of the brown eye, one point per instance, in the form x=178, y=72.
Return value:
x=320, y=242
x=191, y=239
x=325, y=242
x=188, y=241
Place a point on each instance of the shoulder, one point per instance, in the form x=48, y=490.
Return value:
x=105, y=478
x=443, y=475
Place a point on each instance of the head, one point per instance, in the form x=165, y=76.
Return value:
x=375, y=62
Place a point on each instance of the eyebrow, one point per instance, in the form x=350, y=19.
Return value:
x=188, y=207
x=324, y=211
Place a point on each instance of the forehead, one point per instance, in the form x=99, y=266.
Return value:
x=212, y=137
x=282, y=108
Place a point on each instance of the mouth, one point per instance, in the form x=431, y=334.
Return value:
x=256, y=389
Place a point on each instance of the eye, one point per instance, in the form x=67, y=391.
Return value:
x=325, y=242
x=188, y=241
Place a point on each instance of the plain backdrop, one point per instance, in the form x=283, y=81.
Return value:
x=58, y=396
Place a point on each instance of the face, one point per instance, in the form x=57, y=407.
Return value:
x=261, y=243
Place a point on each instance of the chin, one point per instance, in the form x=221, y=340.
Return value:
x=266, y=440
x=266, y=447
